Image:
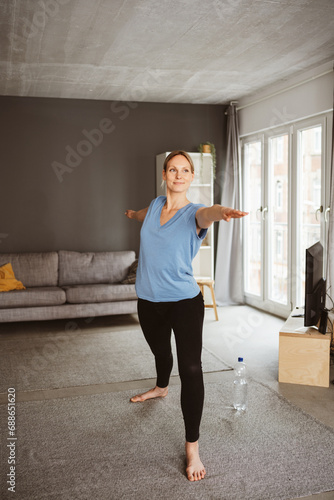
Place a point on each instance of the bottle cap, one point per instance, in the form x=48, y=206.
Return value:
x=240, y=360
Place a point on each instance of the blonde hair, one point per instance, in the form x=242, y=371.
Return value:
x=176, y=153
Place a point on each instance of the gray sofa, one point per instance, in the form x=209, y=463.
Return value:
x=68, y=284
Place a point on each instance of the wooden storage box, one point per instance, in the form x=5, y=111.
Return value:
x=304, y=355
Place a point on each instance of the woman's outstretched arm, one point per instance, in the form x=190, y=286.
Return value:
x=138, y=215
x=205, y=216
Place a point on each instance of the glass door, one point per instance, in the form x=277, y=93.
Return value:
x=310, y=195
x=278, y=219
x=286, y=191
x=253, y=155
x=266, y=169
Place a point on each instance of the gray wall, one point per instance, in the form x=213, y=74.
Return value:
x=66, y=187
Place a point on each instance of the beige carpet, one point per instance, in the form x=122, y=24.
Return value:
x=72, y=359
x=102, y=447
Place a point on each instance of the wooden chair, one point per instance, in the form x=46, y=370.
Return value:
x=202, y=283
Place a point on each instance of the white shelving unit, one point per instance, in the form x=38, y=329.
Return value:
x=200, y=191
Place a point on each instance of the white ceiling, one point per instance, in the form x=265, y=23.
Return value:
x=183, y=51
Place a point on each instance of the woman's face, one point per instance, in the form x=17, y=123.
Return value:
x=178, y=175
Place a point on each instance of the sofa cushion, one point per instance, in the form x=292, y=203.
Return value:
x=33, y=297
x=79, y=268
x=33, y=269
x=87, y=294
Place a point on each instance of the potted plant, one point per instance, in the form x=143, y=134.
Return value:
x=208, y=147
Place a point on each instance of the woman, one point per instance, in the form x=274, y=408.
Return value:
x=168, y=295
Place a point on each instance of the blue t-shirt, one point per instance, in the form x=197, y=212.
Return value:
x=166, y=253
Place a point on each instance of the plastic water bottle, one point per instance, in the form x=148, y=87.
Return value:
x=240, y=386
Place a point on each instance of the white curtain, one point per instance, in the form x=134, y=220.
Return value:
x=330, y=247
x=228, y=275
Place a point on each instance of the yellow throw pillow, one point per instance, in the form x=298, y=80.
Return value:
x=7, y=279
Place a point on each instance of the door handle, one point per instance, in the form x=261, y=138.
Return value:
x=264, y=210
x=320, y=209
x=328, y=209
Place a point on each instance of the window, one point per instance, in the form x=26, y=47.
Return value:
x=284, y=189
x=308, y=213
x=279, y=149
x=279, y=246
x=277, y=223
x=252, y=234
x=279, y=195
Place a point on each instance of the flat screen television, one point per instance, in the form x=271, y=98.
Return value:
x=315, y=288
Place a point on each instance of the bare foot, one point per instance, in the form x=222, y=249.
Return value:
x=157, y=392
x=195, y=469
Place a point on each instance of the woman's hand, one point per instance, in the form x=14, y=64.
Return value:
x=131, y=214
x=138, y=215
x=205, y=216
x=230, y=213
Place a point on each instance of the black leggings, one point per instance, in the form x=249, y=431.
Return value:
x=185, y=317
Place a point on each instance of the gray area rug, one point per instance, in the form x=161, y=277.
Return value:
x=103, y=447
x=54, y=361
